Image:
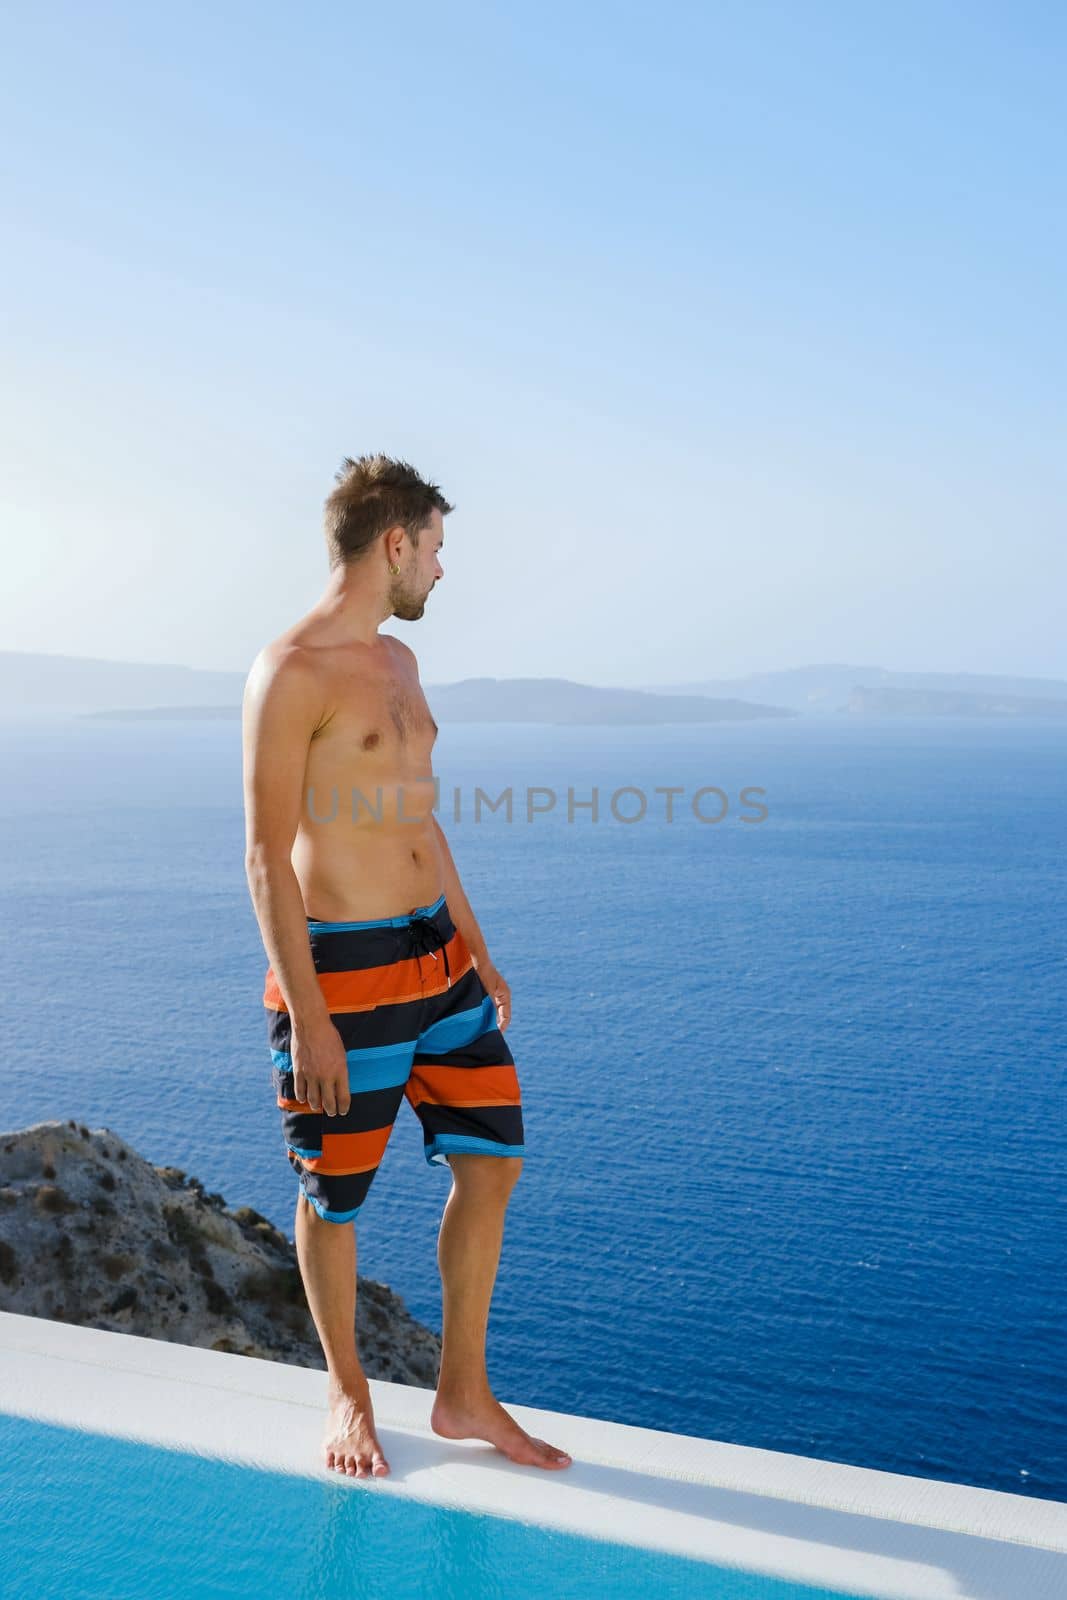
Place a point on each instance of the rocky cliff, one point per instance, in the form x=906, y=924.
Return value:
x=92, y=1233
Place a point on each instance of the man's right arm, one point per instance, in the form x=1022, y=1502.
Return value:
x=281, y=709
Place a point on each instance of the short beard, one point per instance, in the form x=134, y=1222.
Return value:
x=403, y=604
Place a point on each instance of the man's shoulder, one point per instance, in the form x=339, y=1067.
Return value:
x=403, y=649
x=284, y=654
x=285, y=666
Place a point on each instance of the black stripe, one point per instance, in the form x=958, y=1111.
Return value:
x=336, y=1193
x=502, y=1123
x=395, y=1023
x=355, y=949
x=368, y=1109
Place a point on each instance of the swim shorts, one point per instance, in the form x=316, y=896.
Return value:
x=417, y=1024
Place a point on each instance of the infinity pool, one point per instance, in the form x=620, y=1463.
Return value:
x=113, y=1519
x=137, y=1469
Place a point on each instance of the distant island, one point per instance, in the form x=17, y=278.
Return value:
x=559, y=700
x=838, y=689
x=34, y=685
x=946, y=703
x=547, y=700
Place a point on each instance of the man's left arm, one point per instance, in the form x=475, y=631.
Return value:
x=460, y=910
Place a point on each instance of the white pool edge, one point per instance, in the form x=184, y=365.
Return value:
x=855, y=1529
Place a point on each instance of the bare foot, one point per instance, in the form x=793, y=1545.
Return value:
x=349, y=1440
x=485, y=1418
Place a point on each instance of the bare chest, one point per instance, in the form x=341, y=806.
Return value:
x=379, y=728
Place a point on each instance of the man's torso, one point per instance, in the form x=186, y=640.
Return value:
x=365, y=845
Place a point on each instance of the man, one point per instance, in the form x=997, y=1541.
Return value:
x=379, y=985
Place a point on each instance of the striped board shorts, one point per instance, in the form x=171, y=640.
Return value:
x=417, y=1024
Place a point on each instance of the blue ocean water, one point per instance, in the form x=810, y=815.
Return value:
x=793, y=1089
x=126, y=1521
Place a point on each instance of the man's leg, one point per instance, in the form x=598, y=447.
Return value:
x=468, y=1252
x=326, y=1252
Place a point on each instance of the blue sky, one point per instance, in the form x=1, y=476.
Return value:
x=736, y=334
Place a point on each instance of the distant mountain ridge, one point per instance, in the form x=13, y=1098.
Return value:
x=31, y=682
x=553, y=700
x=886, y=702
x=560, y=700
x=826, y=689
x=34, y=684
x=31, y=685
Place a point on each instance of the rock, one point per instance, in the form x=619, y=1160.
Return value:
x=92, y=1233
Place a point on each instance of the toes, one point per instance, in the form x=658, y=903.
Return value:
x=357, y=1466
x=551, y=1450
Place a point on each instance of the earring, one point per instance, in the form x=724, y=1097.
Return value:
x=393, y=570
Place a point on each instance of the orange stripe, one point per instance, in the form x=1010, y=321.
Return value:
x=392, y=983
x=463, y=1086
x=349, y=1152
x=455, y=972
x=376, y=986
x=417, y=1099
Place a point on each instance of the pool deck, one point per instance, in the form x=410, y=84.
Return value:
x=841, y=1527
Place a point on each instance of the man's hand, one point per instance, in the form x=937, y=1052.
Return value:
x=320, y=1068
x=497, y=987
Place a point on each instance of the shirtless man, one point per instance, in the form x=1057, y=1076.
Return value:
x=380, y=986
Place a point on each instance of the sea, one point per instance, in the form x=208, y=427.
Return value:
x=790, y=1020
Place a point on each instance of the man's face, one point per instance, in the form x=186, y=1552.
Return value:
x=419, y=570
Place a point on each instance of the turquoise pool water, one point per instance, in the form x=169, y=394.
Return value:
x=111, y=1519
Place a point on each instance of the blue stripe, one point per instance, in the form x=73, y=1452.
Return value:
x=298, y=1152
x=462, y=1028
x=457, y=1142
x=331, y=1216
x=386, y=1066
x=376, y=922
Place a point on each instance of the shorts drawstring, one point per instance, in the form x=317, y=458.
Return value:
x=426, y=937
